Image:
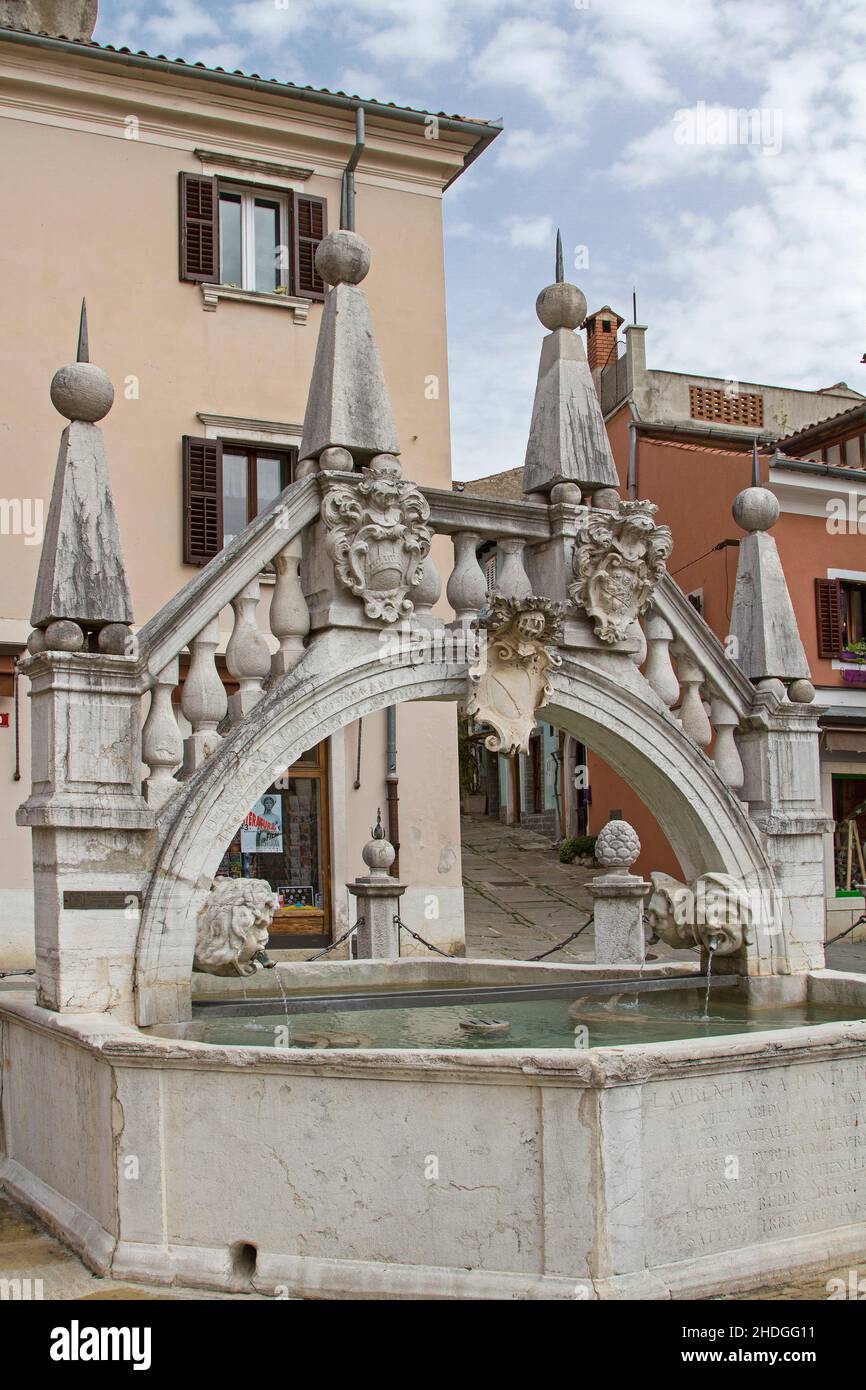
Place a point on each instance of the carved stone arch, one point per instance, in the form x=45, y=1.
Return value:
x=342, y=678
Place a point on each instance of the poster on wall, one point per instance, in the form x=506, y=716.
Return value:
x=262, y=831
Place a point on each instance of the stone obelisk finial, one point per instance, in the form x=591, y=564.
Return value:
x=763, y=625
x=349, y=417
x=567, y=439
x=81, y=590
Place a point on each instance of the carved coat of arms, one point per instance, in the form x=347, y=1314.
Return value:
x=378, y=537
x=512, y=680
x=619, y=558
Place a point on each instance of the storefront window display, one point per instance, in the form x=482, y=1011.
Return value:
x=284, y=840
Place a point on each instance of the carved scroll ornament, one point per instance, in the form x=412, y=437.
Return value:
x=378, y=537
x=512, y=681
x=619, y=558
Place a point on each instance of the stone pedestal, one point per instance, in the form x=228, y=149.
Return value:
x=90, y=825
x=378, y=896
x=619, y=897
x=378, y=906
x=619, y=931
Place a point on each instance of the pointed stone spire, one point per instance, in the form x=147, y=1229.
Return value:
x=567, y=439
x=348, y=409
x=768, y=645
x=81, y=586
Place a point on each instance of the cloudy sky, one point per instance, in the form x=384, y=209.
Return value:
x=746, y=243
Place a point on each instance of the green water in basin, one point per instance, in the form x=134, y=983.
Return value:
x=538, y=1023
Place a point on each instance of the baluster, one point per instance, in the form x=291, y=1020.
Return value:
x=425, y=594
x=161, y=743
x=203, y=700
x=248, y=656
x=290, y=616
x=693, y=716
x=637, y=635
x=467, y=587
x=512, y=580
x=659, y=669
x=726, y=754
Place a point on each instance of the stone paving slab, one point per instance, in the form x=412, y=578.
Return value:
x=29, y=1252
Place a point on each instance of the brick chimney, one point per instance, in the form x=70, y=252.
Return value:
x=601, y=330
x=68, y=19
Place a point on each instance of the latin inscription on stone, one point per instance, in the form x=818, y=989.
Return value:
x=753, y=1157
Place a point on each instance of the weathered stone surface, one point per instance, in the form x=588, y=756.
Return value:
x=233, y=926
x=81, y=572
x=619, y=559
x=348, y=406
x=69, y=19
x=567, y=438
x=762, y=617
x=513, y=679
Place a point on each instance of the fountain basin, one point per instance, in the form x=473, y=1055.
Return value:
x=653, y=1169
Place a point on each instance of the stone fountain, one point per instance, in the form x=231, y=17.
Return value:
x=461, y=1169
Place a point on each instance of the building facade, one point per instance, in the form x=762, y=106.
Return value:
x=186, y=205
x=688, y=441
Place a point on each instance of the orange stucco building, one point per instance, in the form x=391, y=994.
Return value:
x=687, y=443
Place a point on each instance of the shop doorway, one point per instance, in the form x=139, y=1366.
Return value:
x=285, y=841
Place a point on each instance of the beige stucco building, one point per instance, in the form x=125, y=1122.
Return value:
x=203, y=307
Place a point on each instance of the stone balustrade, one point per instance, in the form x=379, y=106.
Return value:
x=683, y=663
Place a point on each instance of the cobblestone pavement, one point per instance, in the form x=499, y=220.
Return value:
x=519, y=900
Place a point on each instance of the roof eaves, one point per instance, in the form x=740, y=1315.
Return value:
x=485, y=130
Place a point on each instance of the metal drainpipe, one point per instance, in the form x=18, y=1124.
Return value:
x=393, y=782
x=632, y=461
x=347, y=195
x=16, y=698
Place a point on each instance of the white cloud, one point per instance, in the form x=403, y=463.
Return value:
x=526, y=149
x=533, y=55
x=221, y=55
x=179, y=21
x=357, y=82
x=534, y=232
x=263, y=19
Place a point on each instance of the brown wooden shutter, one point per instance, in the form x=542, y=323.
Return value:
x=309, y=226
x=828, y=606
x=202, y=499
x=199, y=229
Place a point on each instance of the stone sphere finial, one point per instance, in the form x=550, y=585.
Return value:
x=343, y=258
x=617, y=846
x=378, y=853
x=82, y=391
x=756, y=509
x=561, y=305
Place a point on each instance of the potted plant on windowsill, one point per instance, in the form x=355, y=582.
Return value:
x=855, y=654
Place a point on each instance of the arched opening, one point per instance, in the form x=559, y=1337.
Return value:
x=342, y=678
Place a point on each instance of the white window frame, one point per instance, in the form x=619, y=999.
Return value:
x=248, y=193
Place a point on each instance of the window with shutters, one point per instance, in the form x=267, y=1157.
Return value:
x=225, y=485
x=252, y=239
x=841, y=613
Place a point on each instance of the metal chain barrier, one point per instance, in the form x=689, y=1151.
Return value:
x=848, y=930
x=562, y=944
x=398, y=922
x=334, y=944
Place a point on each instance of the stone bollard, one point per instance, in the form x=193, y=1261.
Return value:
x=619, y=897
x=378, y=896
